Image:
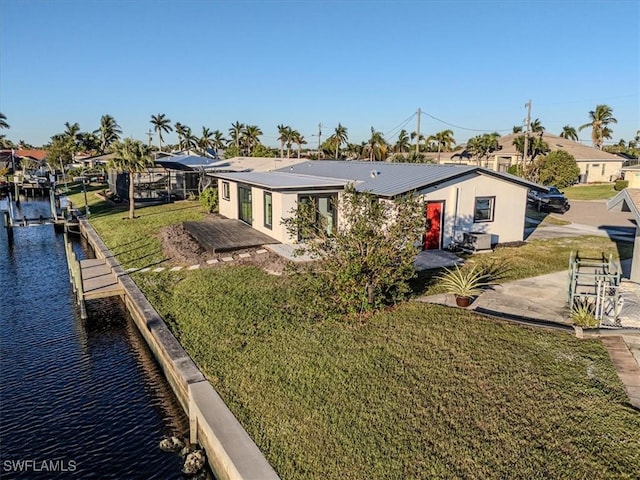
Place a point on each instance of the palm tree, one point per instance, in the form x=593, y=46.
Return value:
x=205, y=142
x=218, y=141
x=298, y=140
x=483, y=145
x=3, y=121
x=403, y=143
x=444, y=141
x=535, y=146
x=130, y=156
x=601, y=117
x=189, y=140
x=376, y=147
x=235, y=132
x=536, y=126
x=517, y=128
x=108, y=132
x=180, y=130
x=414, y=135
x=285, y=132
x=569, y=133
x=250, y=137
x=161, y=124
x=339, y=137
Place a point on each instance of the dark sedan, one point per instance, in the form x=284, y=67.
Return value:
x=552, y=201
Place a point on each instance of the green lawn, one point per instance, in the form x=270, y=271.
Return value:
x=600, y=191
x=416, y=391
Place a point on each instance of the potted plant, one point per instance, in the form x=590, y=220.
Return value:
x=464, y=284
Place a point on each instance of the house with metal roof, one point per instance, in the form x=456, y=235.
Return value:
x=460, y=201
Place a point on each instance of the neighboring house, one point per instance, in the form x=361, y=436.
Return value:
x=632, y=175
x=458, y=199
x=595, y=165
x=629, y=200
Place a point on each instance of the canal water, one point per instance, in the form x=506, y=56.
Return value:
x=78, y=398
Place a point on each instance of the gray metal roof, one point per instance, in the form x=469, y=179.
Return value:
x=280, y=180
x=384, y=179
x=189, y=162
x=390, y=179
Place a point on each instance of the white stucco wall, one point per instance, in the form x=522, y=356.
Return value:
x=509, y=208
x=594, y=167
x=228, y=208
x=634, y=179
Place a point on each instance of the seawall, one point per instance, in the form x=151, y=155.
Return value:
x=231, y=453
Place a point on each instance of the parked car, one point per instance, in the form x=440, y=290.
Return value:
x=552, y=201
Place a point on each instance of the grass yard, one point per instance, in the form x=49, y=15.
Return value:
x=416, y=391
x=599, y=191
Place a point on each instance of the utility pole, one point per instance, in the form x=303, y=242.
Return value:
x=526, y=134
x=418, y=134
x=150, y=135
x=319, y=139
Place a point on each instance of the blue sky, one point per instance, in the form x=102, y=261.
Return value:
x=365, y=64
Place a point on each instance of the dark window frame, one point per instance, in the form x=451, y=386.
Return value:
x=226, y=191
x=267, y=224
x=491, y=209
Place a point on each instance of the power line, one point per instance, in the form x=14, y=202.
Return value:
x=470, y=129
x=401, y=125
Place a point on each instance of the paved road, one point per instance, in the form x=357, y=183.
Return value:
x=595, y=213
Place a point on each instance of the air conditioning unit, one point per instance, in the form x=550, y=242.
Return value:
x=477, y=241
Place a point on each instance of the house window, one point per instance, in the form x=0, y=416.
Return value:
x=484, y=209
x=602, y=172
x=268, y=210
x=225, y=191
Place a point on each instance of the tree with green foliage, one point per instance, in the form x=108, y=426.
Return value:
x=403, y=144
x=483, y=145
x=3, y=121
x=108, y=132
x=250, y=138
x=367, y=261
x=284, y=132
x=339, y=137
x=161, y=124
x=209, y=199
x=131, y=157
x=376, y=148
x=558, y=168
x=299, y=140
x=261, y=150
x=600, y=118
x=444, y=141
x=569, y=133
x=535, y=146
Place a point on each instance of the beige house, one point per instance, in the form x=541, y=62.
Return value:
x=595, y=165
x=632, y=175
x=629, y=200
x=458, y=200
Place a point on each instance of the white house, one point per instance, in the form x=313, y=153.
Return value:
x=595, y=165
x=458, y=199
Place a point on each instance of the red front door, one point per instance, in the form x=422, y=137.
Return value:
x=433, y=225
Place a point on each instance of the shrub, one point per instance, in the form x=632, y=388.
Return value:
x=621, y=185
x=209, y=199
x=583, y=313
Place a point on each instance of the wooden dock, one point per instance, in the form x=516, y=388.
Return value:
x=91, y=278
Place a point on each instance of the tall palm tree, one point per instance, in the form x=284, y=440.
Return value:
x=250, y=138
x=180, y=130
x=403, y=143
x=284, y=137
x=298, y=140
x=536, y=126
x=189, y=140
x=600, y=118
x=483, y=145
x=444, y=141
x=376, y=147
x=130, y=156
x=108, y=132
x=161, y=124
x=3, y=121
x=517, y=129
x=205, y=141
x=569, y=133
x=235, y=132
x=340, y=136
x=535, y=146
x=413, y=137
x=218, y=141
